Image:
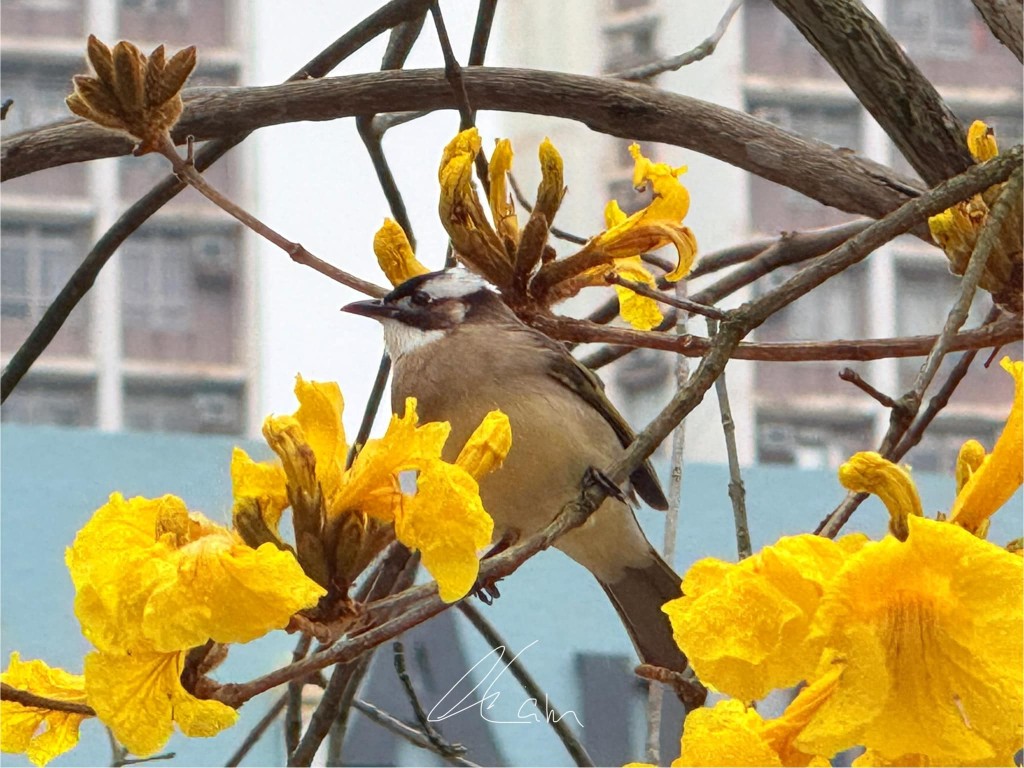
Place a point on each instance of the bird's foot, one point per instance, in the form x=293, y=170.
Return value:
x=594, y=476
x=487, y=590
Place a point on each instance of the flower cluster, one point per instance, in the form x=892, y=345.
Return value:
x=518, y=260
x=956, y=230
x=397, y=487
x=910, y=646
x=154, y=582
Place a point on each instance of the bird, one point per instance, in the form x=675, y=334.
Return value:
x=462, y=352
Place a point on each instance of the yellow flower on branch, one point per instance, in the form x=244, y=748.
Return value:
x=926, y=637
x=152, y=581
x=39, y=733
x=999, y=474
x=437, y=511
x=657, y=225
x=139, y=696
x=395, y=254
x=747, y=653
x=639, y=311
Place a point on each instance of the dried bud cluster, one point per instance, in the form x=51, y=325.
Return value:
x=131, y=92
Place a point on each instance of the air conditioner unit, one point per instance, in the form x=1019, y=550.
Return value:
x=213, y=258
x=216, y=412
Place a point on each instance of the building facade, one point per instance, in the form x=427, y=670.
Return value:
x=165, y=340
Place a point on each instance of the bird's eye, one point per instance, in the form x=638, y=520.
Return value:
x=420, y=298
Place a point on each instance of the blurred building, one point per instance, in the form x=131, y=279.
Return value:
x=165, y=340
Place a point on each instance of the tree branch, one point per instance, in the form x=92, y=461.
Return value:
x=626, y=110
x=887, y=83
x=1005, y=19
x=29, y=699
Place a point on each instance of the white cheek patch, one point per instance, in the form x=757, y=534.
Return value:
x=455, y=284
x=401, y=339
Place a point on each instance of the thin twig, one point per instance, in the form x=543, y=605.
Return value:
x=702, y=51
x=850, y=375
x=416, y=605
x=519, y=671
x=561, y=234
x=140, y=760
x=413, y=736
x=568, y=329
x=907, y=407
x=29, y=699
x=683, y=304
x=481, y=32
x=79, y=284
x=380, y=384
x=440, y=744
x=656, y=692
x=293, y=715
x=298, y=253
x=257, y=731
x=737, y=491
x=453, y=74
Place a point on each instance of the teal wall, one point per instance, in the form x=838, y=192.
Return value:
x=53, y=479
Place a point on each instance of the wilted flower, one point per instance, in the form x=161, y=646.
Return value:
x=517, y=259
x=131, y=92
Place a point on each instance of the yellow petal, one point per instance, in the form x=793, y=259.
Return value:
x=552, y=182
x=319, y=414
x=114, y=562
x=446, y=521
x=488, y=446
x=372, y=484
x=395, y=255
x=657, y=225
x=139, y=697
x=224, y=590
x=502, y=210
x=728, y=734
x=981, y=141
x=971, y=455
x=745, y=627
x=639, y=311
x=613, y=214
x=929, y=635
x=1000, y=474
x=40, y=734
x=868, y=472
x=262, y=481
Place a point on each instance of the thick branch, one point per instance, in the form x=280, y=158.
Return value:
x=887, y=83
x=627, y=110
x=1005, y=18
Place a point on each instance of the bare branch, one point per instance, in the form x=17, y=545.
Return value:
x=257, y=731
x=397, y=727
x=29, y=699
x=1005, y=19
x=684, y=304
x=702, y=51
x=627, y=110
x=441, y=746
x=887, y=83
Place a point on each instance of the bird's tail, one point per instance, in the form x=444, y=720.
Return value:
x=638, y=596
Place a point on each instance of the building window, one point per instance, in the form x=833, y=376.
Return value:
x=937, y=29
x=179, y=296
x=43, y=18
x=630, y=45
x=176, y=22
x=166, y=407
x=38, y=95
x=36, y=261
x=65, y=403
x=811, y=443
x=940, y=446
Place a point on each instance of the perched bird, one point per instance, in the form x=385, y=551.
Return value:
x=462, y=352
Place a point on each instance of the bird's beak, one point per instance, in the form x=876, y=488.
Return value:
x=374, y=308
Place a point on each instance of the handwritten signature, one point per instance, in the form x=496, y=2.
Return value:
x=488, y=699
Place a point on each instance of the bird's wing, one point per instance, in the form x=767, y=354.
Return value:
x=576, y=377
